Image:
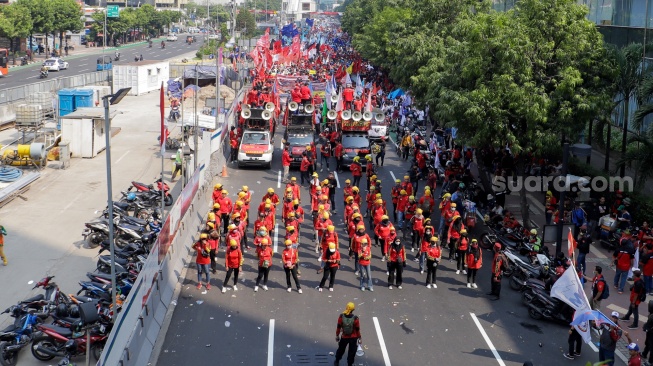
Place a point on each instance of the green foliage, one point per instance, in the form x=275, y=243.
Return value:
x=41, y=13
x=15, y=21
x=245, y=22
x=640, y=158
x=208, y=48
x=272, y=5
x=144, y=18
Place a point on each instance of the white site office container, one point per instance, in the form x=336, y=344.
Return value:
x=143, y=76
x=84, y=129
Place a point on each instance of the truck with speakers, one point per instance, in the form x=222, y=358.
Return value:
x=300, y=130
x=258, y=125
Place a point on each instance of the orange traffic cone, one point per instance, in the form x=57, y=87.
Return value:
x=224, y=172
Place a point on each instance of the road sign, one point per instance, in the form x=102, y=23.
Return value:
x=113, y=11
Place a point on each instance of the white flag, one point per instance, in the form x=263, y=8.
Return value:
x=569, y=289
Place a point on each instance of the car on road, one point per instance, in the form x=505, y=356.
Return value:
x=55, y=64
x=255, y=149
x=355, y=144
x=171, y=37
x=215, y=36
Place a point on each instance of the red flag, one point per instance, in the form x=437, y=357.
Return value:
x=571, y=244
x=264, y=41
x=276, y=47
x=163, y=124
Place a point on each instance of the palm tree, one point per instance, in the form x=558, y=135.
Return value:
x=645, y=101
x=640, y=159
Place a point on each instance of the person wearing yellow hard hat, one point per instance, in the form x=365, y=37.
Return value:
x=462, y=247
x=355, y=244
x=203, y=260
x=395, y=193
x=296, y=192
x=454, y=232
x=226, y=206
x=304, y=168
x=264, y=264
x=407, y=186
x=273, y=197
x=417, y=228
x=474, y=263
x=445, y=206
x=331, y=258
x=217, y=192
x=233, y=262
x=347, y=190
x=321, y=224
x=370, y=171
x=433, y=257
x=356, y=171
x=289, y=258
x=348, y=334
x=329, y=236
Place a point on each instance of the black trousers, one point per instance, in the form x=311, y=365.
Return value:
x=332, y=199
x=471, y=275
x=496, y=287
x=263, y=273
x=329, y=273
x=292, y=272
x=399, y=269
x=234, y=154
x=380, y=156
x=634, y=310
x=235, y=271
x=351, y=352
x=431, y=271
x=357, y=181
x=648, y=346
x=304, y=176
x=339, y=164
x=225, y=223
x=460, y=259
x=394, y=212
x=575, y=342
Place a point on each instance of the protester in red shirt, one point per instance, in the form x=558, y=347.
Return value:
x=296, y=94
x=331, y=258
x=339, y=152
x=289, y=260
x=637, y=292
x=264, y=264
x=233, y=262
x=474, y=263
x=348, y=334
x=303, y=168
x=286, y=159
x=624, y=262
x=356, y=170
x=348, y=96
x=225, y=208
x=396, y=263
x=433, y=257
x=217, y=193
x=203, y=260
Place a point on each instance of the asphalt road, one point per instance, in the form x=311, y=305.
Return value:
x=87, y=62
x=450, y=325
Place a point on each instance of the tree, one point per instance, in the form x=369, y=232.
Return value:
x=641, y=158
x=41, y=15
x=245, y=23
x=15, y=22
x=67, y=16
x=526, y=78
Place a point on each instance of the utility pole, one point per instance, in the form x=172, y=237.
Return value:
x=233, y=18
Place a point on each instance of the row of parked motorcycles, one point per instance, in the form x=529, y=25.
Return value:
x=57, y=324
x=531, y=272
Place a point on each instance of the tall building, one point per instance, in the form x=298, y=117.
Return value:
x=298, y=9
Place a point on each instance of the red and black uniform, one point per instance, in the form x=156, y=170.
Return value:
x=356, y=244
x=396, y=263
x=338, y=153
x=498, y=266
x=461, y=251
x=433, y=256
x=357, y=172
x=233, y=261
x=296, y=194
x=225, y=210
x=347, y=340
x=289, y=260
x=381, y=233
x=395, y=193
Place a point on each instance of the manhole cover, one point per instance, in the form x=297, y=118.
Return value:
x=307, y=358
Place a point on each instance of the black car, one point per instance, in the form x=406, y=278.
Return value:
x=355, y=144
x=298, y=140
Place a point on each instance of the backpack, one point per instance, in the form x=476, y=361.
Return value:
x=348, y=324
x=642, y=293
x=606, y=289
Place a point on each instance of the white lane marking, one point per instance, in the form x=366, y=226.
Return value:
x=393, y=141
x=122, y=156
x=281, y=144
x=617, y=308
x=279, y=180
x=393, y=176
x=487, y=340
x=276, y=237
x=71, y=203
x=271, y=343
x=337, y=180
x=83, y=64
x=596, y=253
x=384, y=351
x=593, y=347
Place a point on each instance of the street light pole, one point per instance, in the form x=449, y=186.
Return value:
x=561, y=204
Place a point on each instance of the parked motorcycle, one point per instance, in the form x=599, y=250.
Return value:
x=509, y=238
x=157, y=186
x=54, y=341
x=17, y=336
x=543, y=306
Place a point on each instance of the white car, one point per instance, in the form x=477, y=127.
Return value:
x=55, y=64
x=171, y=37
x=255, y=149
x=215, y=36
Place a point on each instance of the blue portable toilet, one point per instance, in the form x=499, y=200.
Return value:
x=83, y=98
x=66, y=101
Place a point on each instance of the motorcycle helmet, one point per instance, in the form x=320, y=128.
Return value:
x=131, y=196
x=70, y=345
x=74, y=311
x=61, y=311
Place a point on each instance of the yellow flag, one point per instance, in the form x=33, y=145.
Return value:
x=350, y=68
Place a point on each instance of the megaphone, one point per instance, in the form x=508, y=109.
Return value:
x=334, y=98
x=357, y=116
x=309, y=108
x=379, y=117
x=359, y=351
x=367, y=116
x=346, y=114
x=269, y=106
x=293, y=106
x=245, y=113
x=266, y=115
x=332, y=114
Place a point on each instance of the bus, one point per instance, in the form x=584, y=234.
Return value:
x=4, y=61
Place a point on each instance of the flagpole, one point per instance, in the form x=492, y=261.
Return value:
x=162, y=149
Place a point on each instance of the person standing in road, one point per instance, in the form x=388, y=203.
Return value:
x=332, y=259
x=214, y=244
x=433, y=257
x=381, y=154
x=348, y=334
x=333, y=184
x=610, y=334
x=584, y=240
x=623, y=261
x=364, y=259
x=338, y=153
x=325, y=155
x=286, y=159
x=203, y=260
x=303, y=168
x=598, y=286
x=289, y=258
x=396, y=263
x=474, y=263
x=264, y=264
x=178, y=165
x=233, y=143
x=3, y=233
x=637, y=295
x=233, y=262
x=356, y=170
x=498, y=265
x=575, y=343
